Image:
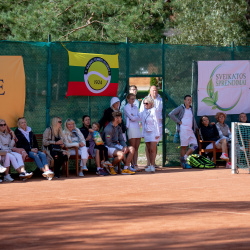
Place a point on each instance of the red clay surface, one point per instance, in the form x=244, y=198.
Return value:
x=171, y=209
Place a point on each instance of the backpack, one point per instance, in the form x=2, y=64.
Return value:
x=199, y=161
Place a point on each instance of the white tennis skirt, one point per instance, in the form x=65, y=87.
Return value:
x=134, y=133
x=150, y=137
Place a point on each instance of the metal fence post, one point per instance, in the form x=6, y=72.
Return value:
x=164, y=106
x=127, y=65
x=48, y=97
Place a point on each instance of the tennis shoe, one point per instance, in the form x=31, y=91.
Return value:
x=187, y=166
x=127, y=171
x=81, y=174
x=224, y=156
x=8, y=178
x=84, y=168
x=2, y=169
x=152, y=168
x=25, y=175
x=112, y=171
x=183, y=162
x=101, y=172
x=131, y=168
x=1, y=180
x=228, y=165
x=148, y=169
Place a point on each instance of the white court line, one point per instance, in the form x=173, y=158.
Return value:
x=213, y=211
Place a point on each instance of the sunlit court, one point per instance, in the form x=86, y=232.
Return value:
x=171, y=209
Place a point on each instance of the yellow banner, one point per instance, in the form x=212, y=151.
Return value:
x=81, y=59
x=12, y=89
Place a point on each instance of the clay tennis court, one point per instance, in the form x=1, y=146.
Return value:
x=171, y=209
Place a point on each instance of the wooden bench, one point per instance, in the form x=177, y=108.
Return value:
x=39, y=138
x=77, y=157
x=202, y=150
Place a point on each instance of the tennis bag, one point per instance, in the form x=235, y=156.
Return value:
x=199, y=161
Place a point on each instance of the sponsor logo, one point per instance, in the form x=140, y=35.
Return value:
x=225, y=80
x=97, y=75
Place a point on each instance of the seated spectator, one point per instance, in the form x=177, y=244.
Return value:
x=85, y=131
x=7, y=143
x=53, y=144
x=117, y=148
x=98, y=143
x=224, y=132
x=210, y=132
x=150, y=131
x=27, y=140
x=132, y=118
x=107, y=115
x=74, y=138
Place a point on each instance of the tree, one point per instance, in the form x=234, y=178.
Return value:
x=85, y=20
x=210, y=22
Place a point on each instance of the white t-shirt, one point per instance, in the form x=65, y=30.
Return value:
x=187, y=119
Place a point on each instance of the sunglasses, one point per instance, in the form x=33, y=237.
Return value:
x=145, y=103
x=2, y=125
x=59, y=121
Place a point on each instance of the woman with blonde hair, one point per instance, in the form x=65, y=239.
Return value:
x=7, y=143
x=74, y=138
x=53, y=144
x=150, y=130
x=27, y=140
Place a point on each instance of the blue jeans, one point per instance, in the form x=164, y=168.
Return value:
x=39, y=158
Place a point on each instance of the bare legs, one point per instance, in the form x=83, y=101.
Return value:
x=152, y=149
x=135, y=143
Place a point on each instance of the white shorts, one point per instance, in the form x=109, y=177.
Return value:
x=187, y=138
x=210, y=146
x=134, y=133
x=112, y=150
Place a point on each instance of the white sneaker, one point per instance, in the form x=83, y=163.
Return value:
x=25, y=175
x=8, y=178
x=224, y=156
x=148, y=169
x=152, y=168
x=131, y=169
x=84, y=168
x=81, y=174
x=48, y=174
x=2, y=169
x=1, y=180
x=228, y=165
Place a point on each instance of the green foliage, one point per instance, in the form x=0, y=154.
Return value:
x=153, y=81
x=209, y=22
x=84, y=20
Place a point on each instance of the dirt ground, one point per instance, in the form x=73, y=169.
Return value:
x=171, y=209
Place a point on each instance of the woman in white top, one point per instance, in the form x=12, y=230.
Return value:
x=7, y=142
x=132, y=118
x=150, y=130
x=74, y=138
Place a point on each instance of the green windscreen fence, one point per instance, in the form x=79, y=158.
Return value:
x=47, y=69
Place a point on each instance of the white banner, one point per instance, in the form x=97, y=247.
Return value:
x=223, y=86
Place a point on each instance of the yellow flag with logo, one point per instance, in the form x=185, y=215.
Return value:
x=12, y=89
x=93, y=74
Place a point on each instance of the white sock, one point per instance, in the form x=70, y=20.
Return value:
x=125, y=167
x=185, y=157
